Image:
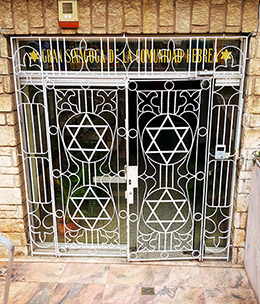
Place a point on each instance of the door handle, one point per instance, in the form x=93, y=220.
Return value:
x=132, y=182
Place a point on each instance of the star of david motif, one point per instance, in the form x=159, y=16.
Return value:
x=160, y=211
x=81, y=202
x=155, y=133
x=87, y=125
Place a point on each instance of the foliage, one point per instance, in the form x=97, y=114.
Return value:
x=256, y=157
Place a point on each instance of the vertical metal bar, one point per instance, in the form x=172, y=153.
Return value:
x=139, y=57
x=190, y=48
x=108, y=58
x=79, y=100
x=101, y=56
x=127, y=165
x=196, y=170
x=59, y=151
x=196, y=65
x=64, y=55
x=145, y=55
x=207, y=162
x=152, y=59
x=221, y=167
x=58, y=55
x=214, y=61
x=33, y=129
x=49, y=146
x=44, y=181
x=38, y=179
x=40, y=129
x=115, y=57
x=92, y=101
x=52, y=64
x=203, y=55
x=220, y=183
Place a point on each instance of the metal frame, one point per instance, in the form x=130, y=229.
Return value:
x=227, y=72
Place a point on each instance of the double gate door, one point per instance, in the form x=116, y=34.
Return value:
x=130, y=168
x=139, y=168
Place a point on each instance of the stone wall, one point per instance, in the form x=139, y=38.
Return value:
x=12, y=214
x=250, y=142
x=101, y=17
x=23, y=17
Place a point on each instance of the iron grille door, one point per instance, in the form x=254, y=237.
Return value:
x=181, y=137
x=87, y=168
x=167, y=167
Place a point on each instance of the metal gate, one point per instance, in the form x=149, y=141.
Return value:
x=169, y=132
x=130, y=144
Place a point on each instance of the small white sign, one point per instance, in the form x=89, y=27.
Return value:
x=67, y=16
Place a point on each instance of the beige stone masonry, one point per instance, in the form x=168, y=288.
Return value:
x=6, y=102
x=234, y=9
x=166, y=13
x=84, y=17
x=50, y=11
x=126, y=16
x=6, y=19
x=217, y=23
x=20, y=16
x=257, y=87
x=35, y=8
x=150, y=17
x=99, y=11
x=250, y=142
x=200, y=12
x=183, y=11
x=115, y=17
x=239, y=238
x=249, y=13
x=2, y=119
x=12, y=202
x=218, y=1
x=133, y=13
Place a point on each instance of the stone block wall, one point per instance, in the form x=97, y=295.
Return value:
x=12, y=202
x=115, y=17
x=22, y=17
x=250, y=142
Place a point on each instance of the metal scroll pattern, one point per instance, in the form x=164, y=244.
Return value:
x=88, y=171
x=171, y=138
x=184, y=139
x=225, y=113
x=74, y=155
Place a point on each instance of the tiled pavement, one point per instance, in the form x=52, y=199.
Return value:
x=74, y=282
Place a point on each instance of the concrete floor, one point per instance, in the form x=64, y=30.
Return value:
x=54, y=281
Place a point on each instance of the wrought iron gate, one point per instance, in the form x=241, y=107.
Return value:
x=169, y=130
x=130, y=153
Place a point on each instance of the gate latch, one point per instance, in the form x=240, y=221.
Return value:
x=132, y=182
x=220, y=152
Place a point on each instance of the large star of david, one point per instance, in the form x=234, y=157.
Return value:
x=75, y=132
x=161, y=219
x=167, y=125
x=90, y=195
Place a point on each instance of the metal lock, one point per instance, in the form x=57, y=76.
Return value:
x=220, y=152
x=132, y=182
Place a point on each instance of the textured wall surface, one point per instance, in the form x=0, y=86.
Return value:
x=23, y=17
x=101, y=17
x=252, y=254
x=250, y=142
x=12, y=202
